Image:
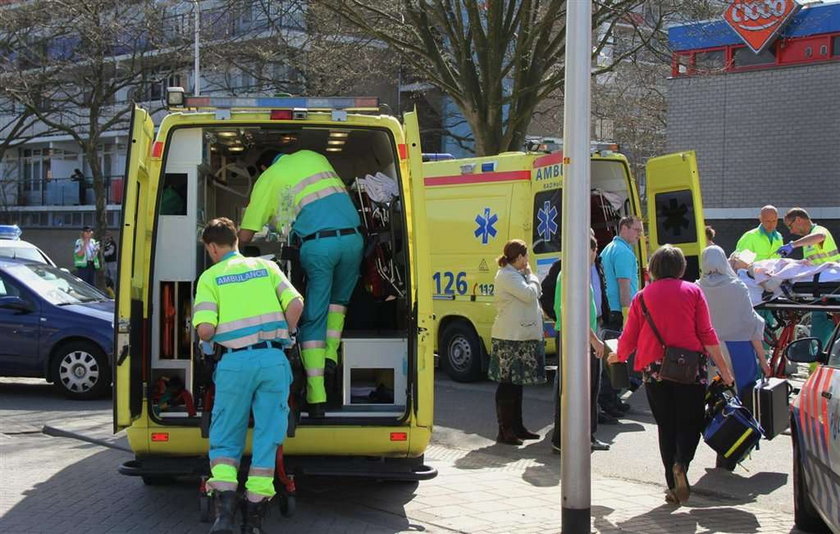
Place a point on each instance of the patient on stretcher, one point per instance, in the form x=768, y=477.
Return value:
x=768, y=275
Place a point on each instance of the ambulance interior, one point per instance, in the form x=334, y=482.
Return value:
x=209, y=172
x=610, y=198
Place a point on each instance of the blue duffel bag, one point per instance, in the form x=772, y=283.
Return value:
x=731, y=430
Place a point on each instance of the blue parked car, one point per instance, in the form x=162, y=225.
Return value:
x=55, y=326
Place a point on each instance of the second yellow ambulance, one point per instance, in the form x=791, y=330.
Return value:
x=475, y=205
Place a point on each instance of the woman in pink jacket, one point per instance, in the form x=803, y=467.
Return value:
x=680, y=313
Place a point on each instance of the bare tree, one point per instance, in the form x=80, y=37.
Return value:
x=496, y=60
x=295, y=46
x=77, y=65
x=16, y=128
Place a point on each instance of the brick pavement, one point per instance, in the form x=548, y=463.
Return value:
x=58, y=484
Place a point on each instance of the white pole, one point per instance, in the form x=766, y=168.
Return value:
x=575, y=414
x=196, y=69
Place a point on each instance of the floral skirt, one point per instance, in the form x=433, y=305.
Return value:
x=517, y=362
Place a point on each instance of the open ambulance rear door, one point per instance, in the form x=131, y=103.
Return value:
x=423, y=394
x=675, y=207
x=131, y=310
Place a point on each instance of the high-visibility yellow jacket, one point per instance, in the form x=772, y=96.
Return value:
x=80, y=255
x=304, y=190
x=244, y=298
x=757, y=241
x=821, y=252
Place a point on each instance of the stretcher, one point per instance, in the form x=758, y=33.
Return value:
x=790, y=290
x=793, y=284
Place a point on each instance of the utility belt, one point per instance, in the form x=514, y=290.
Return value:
x=331, y=233
x=260, y=345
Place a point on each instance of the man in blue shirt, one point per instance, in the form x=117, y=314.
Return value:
x=621, y=270
x=621, y=274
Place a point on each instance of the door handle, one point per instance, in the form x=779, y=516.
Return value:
x=826, y=394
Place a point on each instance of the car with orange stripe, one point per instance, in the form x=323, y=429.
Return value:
x=475, y=205
x=815, y=427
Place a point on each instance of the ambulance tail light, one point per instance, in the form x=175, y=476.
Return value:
x=281, y=114
x=399, y=436
x=160, y=436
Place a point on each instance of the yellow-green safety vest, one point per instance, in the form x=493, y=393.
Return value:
x=79, y=255
x=757, y=241
x=288, y=186
x=821, y=252
x=244, y=299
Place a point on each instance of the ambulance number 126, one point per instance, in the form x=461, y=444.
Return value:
x=445, y=281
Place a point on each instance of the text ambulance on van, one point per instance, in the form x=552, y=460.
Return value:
x=201, y=165
x=475, y=205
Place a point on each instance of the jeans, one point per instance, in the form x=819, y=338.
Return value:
x=679, y=413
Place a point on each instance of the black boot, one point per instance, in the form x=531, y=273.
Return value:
x=330, y=368
x=505, y=406
x=225, y=512
x=317, y=410
x=518, y=428
x=253, y=514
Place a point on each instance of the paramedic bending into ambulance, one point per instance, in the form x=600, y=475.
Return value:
x=302, y=189
x=247, y=306
x=818, y=246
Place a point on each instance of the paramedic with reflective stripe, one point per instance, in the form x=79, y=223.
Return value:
x=303, y=190
x=765, y=240
x=247, y=306
x=818, y=246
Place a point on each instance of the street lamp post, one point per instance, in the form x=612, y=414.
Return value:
x=197, y=52
x=576, y=473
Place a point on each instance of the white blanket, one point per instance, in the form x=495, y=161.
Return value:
x=768, y=275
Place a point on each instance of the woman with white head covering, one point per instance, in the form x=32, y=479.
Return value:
x=739, y=328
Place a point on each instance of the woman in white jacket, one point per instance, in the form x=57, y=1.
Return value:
x=517, y=355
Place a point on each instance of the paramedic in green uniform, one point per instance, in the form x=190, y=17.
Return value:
x=247, y=306
x=818, y=246
x=764, y=241
x=303, y=190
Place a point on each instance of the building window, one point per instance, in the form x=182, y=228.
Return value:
x=36, y=168
x=744, y=57
x=835, y=46
x=713, y=60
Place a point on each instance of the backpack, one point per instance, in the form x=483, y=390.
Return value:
x=549, y=288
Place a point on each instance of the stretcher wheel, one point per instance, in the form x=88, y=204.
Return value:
x=287, y=504
x=206, y=513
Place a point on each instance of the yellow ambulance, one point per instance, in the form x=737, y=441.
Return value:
x=475, y=205
x=200, y=163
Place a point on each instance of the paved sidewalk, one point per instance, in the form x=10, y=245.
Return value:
x=483, y=493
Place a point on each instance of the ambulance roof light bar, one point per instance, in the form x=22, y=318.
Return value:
x=269, y=103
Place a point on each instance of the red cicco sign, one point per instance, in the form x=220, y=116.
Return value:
x=759, y=21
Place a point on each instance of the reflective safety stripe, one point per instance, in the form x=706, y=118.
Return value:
x=313, y=345
x=205, y=306
x=315, y=372
x=261, y=472
x=822, y=255
x=237, y=342
x=223, y=475
x=276, y=319
x=222, y=460
x=318, y=195
x=315, y=178
x=260, y=487
x=337, y=308
x=334, y=333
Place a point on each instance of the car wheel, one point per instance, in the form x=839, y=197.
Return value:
x=461, y=351
x=804, y=514
x=80, y=370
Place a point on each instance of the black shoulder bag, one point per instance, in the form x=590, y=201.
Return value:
x=678, y=364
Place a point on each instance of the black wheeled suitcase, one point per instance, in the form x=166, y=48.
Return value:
x=770, y=405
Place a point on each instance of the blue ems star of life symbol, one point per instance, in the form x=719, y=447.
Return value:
x=485, y=228
x=547, y=215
